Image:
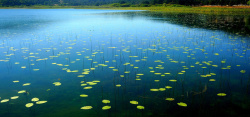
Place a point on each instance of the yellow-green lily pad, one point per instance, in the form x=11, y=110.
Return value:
x=140, y=107
x=29, y=105
x=105, y=101
x=133, y=102
x=182, y=104
x=87, y=107
x=221, y=94
x=106, y=107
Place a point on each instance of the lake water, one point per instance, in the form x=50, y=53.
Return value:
x=116, y=63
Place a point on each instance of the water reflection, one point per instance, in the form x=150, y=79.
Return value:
x=228, y=23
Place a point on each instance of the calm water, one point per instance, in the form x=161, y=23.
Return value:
x=156, y=60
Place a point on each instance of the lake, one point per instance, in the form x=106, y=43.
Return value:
x=123, y=63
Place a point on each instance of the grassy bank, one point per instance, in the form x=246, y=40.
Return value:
x=161, y=8
x=185, y=9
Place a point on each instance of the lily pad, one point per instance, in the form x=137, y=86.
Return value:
x=14, y=97
x=133, y=102
x=87, y=107
x=106, y=107
x=105, y=101
x=140, y=107
x=28, y=105
x=41, y=102
x=35, y=99
x=221, y=94
x=83, y=95
x=182, y=104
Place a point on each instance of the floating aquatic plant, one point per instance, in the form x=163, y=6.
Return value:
x=57, y=83
x=105, y=101
x=172, y=80
x=106, y=107
x=154, y=89
x=170, y=99
x=89, y=87
x=221, y=94
x=16, y=81
x=35, y=99
x=133, y=102
x=86, y=107
x=83, y=95
x=162, y=89
x=243, y=71
x=168, y=87
x=28, y=105
x=22, y=91
x=118, y=85
x=4, y=100
x=212, y=80
x=182, y=104
x=14, y=97
x=140, y=107
x=26, y=84
x=41, y=102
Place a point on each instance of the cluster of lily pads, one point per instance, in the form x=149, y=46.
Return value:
x=150, y=58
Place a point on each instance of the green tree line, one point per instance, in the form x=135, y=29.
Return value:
x=123, y=2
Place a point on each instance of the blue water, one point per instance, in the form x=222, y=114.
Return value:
x=43, y=46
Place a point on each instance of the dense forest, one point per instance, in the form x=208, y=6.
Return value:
x=120, y=2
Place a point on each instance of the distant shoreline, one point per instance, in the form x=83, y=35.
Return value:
x=234, y=6
x=206, y=9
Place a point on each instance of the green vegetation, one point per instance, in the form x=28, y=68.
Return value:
x=175, y=8
x=120, y=3
x=188, y=9
x=192, y=6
